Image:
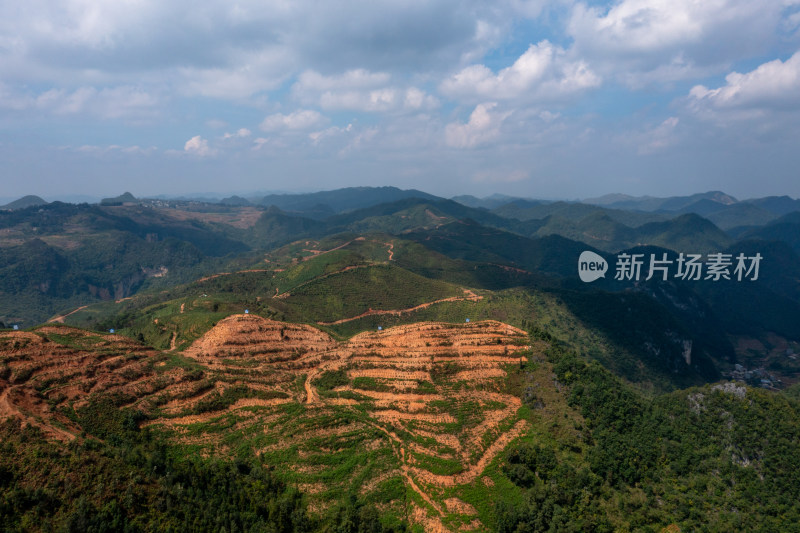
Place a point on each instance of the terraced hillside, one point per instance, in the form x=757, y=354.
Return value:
x=413, y=415
x=449, y=427
x=54, y=366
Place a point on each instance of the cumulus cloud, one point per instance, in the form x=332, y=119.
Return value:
x=303, y=119
x=646, y=41
x=483, y=126
x=773, y=85
x=409, y=63
x=199, y=147
x=543, y=72
x=233, y=50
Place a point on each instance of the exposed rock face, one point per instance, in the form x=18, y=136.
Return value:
x=738, y=391
x=687, y=352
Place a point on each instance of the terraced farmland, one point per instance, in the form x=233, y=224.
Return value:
x=411, y=416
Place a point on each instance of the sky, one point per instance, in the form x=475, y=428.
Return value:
x=541, y=98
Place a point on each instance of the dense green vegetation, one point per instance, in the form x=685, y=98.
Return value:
x=639, y=432
x=122, y=478
x=696, y=458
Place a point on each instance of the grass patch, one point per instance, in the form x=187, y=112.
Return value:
x=216, y=401
x=331, y=379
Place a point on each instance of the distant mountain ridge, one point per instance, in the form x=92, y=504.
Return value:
x=26, y=201
x=124, y=198
x=652, y=203
x=341, y=200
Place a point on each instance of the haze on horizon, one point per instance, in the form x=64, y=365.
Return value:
x=546, y=99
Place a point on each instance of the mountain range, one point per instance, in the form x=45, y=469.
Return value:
x=374, y=359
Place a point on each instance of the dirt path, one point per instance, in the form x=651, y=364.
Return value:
x=317, y=253
x=172, y=344
x=220, y=274
x=6, y=409
x=313, y=280
x=390, y=250
x=311, y=394
x=404, y=468
x=212, y=276
x=9, y=410
x=60, y=319
x=471, y=296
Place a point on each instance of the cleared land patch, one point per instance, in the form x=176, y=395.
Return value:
x=422, y=406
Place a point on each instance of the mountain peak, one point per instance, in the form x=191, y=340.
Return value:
x=26, y=201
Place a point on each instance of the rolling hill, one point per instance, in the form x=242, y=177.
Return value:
x=24, y=202
x=416, y=365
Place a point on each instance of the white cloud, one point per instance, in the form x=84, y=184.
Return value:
x=483, y=126
x=114, y=149
x=260, y=142
x=643, y=25
x=199, y=147
x=773, y=85
x=241, y=133
x=350, y=80
x=125, y=102
x=233, y=50
x=245, y=74
x=303, y=119
x=659, y=137
x=333, y=131
x=543, y=72
x=656, y=41
x=359, y=90
x=358, y=141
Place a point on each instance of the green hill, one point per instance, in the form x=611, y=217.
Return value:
x=342, y=200
x=553, y=441
x=24, y=202
x=119, y=200
x=416, y=365
x=785, y=228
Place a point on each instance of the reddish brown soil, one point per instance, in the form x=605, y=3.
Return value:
x=41, y=371
x=418, y=377
x=61, y=318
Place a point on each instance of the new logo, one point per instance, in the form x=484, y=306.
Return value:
x=591, y=266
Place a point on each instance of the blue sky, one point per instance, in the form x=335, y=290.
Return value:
x=553, y=99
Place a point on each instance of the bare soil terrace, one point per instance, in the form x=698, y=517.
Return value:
x=424, y=403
